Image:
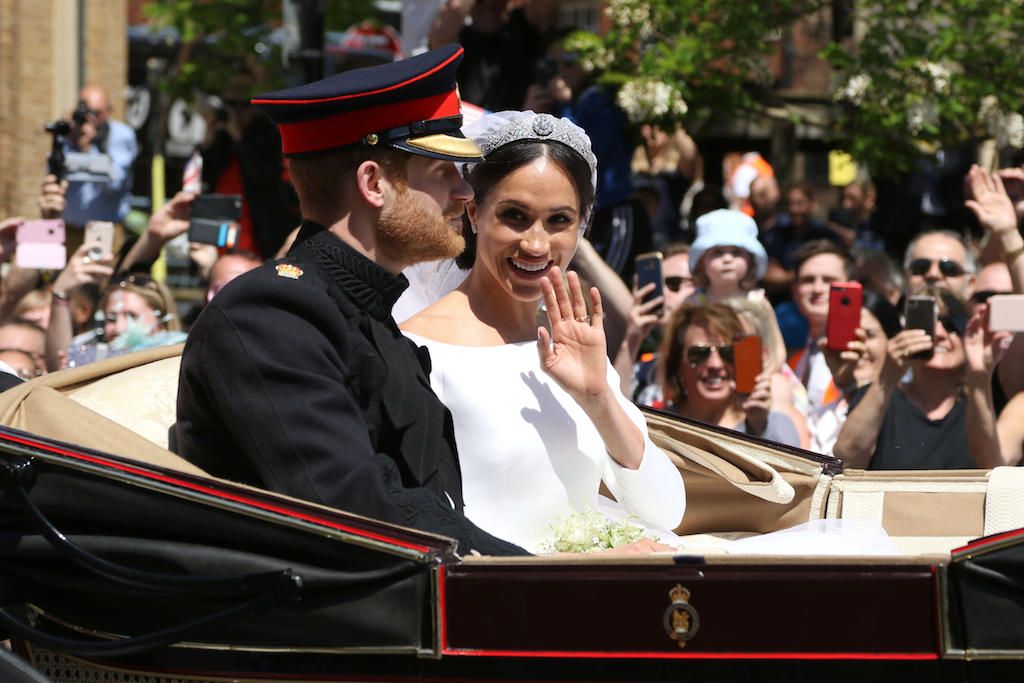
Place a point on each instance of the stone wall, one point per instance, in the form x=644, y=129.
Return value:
x=39, y=79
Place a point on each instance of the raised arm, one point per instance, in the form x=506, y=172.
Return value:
x=1010, y=426
x=641, y=320
x=614, y=292
x=80, y=270
x=166, y=223
x=980, y=346
x=858, y=436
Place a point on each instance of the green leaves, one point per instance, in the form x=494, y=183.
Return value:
x=227, y=46
x=915, y=81
x=931, y=64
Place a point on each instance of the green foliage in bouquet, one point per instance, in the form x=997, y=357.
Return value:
x=585, y=532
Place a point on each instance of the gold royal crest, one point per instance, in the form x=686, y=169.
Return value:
x=289, y=270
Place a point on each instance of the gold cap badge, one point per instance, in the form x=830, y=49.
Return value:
x=289, y=270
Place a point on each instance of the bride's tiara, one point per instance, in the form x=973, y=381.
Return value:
x=494, y=131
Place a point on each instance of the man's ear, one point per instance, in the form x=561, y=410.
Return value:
x=371, y=184
x=471, y=212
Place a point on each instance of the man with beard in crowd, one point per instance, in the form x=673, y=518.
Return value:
x=295, y=378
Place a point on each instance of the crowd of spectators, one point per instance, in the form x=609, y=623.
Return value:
x=748, y=257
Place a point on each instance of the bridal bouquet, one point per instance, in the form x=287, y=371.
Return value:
x=584, y=532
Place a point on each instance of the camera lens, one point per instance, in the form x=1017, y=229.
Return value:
x=845, y=301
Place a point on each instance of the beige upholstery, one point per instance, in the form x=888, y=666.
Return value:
x=141, y=398
x=123, y=405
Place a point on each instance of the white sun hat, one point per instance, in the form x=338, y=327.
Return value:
x=728, y=228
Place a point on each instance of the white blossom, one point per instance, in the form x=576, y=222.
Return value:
x=1007, y=129
x=646, y=100
x=1012, y=131
x=854, y=89
x=938, y=74
x=921, y=114
x=631, y=13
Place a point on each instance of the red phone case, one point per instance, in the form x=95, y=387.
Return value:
x=844, y=304
x=747, y=362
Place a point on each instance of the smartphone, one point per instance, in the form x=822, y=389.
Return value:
x=219, y=207
x=99, y=236
x=844, y=303
x=220, y=233
x=747, y=359
x=1006, y=313
x=648, y=270
x=920, y=315
x=40, y=244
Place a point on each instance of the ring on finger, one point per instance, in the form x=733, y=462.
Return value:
x=86, y=259
x=583, y=319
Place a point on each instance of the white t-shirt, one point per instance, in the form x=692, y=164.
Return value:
x=530, y=455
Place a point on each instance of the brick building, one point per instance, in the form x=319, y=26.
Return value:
x=48, y=50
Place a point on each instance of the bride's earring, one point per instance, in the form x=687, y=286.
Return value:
x=472, y=228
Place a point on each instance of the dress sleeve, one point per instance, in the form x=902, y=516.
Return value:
x=654, y=492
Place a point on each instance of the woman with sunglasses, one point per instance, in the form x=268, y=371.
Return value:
x=699, y=378
x=538, y=417
x=942, y=417
x=645, y=317
x=137, y=313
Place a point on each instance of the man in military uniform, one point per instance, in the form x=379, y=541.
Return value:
x=295, y=377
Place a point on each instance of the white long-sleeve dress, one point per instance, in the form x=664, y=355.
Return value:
x=528, y=452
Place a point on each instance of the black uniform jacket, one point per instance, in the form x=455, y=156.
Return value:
x=295, y=378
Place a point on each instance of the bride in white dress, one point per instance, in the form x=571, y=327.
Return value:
x=538, y=419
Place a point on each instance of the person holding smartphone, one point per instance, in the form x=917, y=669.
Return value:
x=698, y=367
x=942, y=418
x=646, y=316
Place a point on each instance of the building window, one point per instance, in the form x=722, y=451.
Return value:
x=582, y=14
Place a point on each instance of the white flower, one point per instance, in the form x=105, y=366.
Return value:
x=646, y=100
x=854, y=89
x=921, y=114
x=1007, y=129
x=938, y=74
x=584, y=532
x=1012, y=132
x=625, y=14
x=990, y=112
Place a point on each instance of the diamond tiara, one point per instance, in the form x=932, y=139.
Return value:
x=542, y=128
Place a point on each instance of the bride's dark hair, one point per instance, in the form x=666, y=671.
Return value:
x=504, y=160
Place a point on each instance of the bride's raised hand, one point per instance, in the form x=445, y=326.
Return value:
x=573, y=353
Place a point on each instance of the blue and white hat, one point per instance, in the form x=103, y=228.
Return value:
x=728, y=228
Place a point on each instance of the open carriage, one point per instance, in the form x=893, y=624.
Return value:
x=122, y=562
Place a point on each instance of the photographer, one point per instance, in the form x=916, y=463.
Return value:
x=93, y=132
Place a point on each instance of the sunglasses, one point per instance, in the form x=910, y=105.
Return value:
x=699, y=354
x=983, y=295
x=953, y=324
x=948, y=268
x=675, y=282
x=139, y=280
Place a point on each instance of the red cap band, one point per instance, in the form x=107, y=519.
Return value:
x=352, y=126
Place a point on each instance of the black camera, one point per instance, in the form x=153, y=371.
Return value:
x=81, y=113
x=55, y=162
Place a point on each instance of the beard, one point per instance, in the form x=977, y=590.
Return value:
x=408, y=232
